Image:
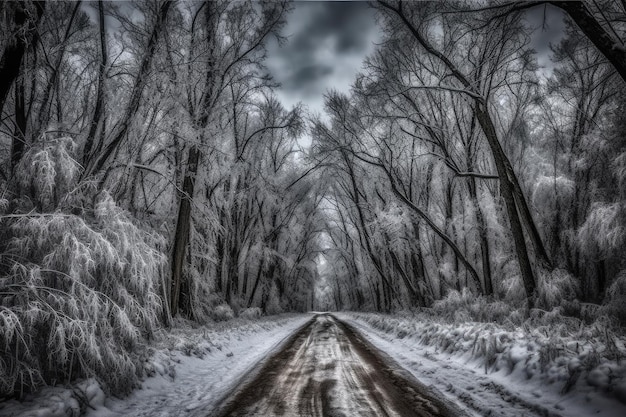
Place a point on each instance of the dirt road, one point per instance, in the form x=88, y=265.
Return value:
x=327, y=369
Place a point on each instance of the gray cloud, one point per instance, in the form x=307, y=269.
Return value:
x=304, y=78
x=327, y=42
x=345, y=22
x=548, y=25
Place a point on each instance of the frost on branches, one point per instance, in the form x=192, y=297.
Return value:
x=77, y=294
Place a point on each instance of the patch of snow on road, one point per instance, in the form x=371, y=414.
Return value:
x=494, y=371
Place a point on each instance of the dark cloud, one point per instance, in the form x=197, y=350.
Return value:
x=346, y=22
x=548, y=28
x=327, y=42
x=341, y=23
x=311, y=74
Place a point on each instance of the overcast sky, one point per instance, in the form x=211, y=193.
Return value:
x=549, y=28
x=328, y=40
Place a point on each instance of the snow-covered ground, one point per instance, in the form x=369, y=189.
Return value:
x=485, y=368
x=493, y=371
x=191, y=370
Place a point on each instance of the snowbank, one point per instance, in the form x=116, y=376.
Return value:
x=191, y=368
x=506, y=370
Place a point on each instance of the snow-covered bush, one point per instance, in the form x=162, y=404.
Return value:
x=556, y=288
x=616, y=299
x=47, y=173
x=273, y=303
x=549, y=192
x=604, y=230
x=465, y=306
x=509, y=287
x=542, y=349
x=223, y=312
x=619, y=167
x=201, y=296
x=250, y=313
x=77, y=293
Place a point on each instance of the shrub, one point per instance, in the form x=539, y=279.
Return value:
x=615, y=305
x=223, y=312
x=48, y=172
x=556, y=288
x=465, y=306
x=273, y=303
x=250, y=313
x=77, y=294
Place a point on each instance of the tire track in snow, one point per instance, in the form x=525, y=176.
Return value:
x=328, y=369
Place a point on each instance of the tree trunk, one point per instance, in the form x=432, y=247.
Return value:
x=529, y=223
x=10, y=65
x=44, y=110
x=183, y=226
x=256, y=282
x=413, y=295
x=19, y=134
x=508, y=195
x=484, y=241
x=366, y=236
x=609, y=47
x=201, y=118
x=11, y=59
x=98, y=114
x=481, y=223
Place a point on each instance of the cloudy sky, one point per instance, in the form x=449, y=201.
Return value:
x=549, y=28
x=328, y=40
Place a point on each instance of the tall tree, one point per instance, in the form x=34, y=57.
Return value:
x=508, y=188
x=96, y=127
x=22, y=22
x=226, y=58
x=23, y=19
x=119, y=133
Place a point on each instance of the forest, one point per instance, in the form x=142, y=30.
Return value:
x=150, y=174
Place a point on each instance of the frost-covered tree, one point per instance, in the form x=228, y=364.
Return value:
x=228, y=42
x=502, y=68
x=81, y=285
x=574, y=182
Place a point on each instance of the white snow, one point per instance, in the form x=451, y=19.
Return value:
x=485, y=368
x=191, y=370
x=508, y=374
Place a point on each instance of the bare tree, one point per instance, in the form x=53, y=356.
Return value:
x=510, y=193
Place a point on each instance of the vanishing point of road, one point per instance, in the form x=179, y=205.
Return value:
x=327, y=369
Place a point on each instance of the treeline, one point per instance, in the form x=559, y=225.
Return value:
x=457, y=171
x=147, y=171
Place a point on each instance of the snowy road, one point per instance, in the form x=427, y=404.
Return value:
x=327, y=369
